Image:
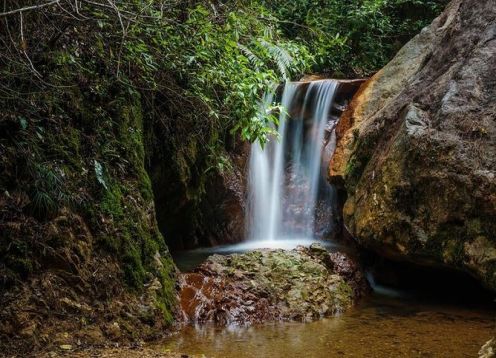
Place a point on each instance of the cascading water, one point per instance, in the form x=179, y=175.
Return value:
x=286, y=176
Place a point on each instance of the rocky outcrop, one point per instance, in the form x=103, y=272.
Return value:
x=199, y=205
x=224, y=206
x=417, y=148
x=267, y=285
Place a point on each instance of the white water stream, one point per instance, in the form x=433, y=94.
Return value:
x=285, y=176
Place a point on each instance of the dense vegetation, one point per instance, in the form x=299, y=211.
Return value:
x=93, y=90
x=222, y=54
x=353, y=38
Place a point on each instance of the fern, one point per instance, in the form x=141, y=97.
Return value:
x=254, y=60
x=48, y=191
x=280, y=56
x=99, y=174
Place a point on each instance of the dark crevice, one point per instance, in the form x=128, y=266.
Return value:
x=426, y=284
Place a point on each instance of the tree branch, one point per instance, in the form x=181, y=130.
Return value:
x=27, y=8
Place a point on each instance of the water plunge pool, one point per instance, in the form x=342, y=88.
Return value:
x=387, y=323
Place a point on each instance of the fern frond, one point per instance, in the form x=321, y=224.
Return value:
x=280, y=56
x=254, y=60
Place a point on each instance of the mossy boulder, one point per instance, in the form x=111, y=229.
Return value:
x=80, y=247
x=264, y=285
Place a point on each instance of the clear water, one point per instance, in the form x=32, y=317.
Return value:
x=388, y=323
x=380, y=327
x=284, y=177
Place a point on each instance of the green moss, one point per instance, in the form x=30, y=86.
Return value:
x=65, y=144
x=364, y=148
x=145, y=185
x=343, y=295
x=474, y=227
x=134, y=272
x=167, y=296
x=453, y=251
x=112, y=202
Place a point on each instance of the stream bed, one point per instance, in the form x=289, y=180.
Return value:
x=380, y=326
x=387, y=323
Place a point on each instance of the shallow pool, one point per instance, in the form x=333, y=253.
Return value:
x=388, y=323
x=379, y=327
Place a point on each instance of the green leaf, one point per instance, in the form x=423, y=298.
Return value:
x=99, y=174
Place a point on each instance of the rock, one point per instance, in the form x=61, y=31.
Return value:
x=488, y=350
x=218, y=218
x=267, y=285
x=69, y=304
x=224, y=206
x=91, y=335
x=416, y=148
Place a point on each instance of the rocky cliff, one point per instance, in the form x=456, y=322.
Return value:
x=416, y=149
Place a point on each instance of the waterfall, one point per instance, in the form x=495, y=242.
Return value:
x=286, y=177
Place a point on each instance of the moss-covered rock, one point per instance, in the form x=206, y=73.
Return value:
x=302, y=284
x=77, y=217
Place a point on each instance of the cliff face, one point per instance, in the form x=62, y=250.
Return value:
x=100, y=172
x=417, y=148
x=80, y=249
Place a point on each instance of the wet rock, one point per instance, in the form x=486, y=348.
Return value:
x=416, y=150
x=488, y=350
x=264, y=285
x=224, y=206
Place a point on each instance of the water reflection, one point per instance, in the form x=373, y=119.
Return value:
x=380, y=327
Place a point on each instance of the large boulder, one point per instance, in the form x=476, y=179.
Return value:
x=416, y=150
x=267, y=285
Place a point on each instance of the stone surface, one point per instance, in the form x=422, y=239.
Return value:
x=488, y=350
x=266, y=285
x=417, y=148
x=224, y=206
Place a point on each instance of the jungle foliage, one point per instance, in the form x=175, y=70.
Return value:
x=86, y=83
x=357, y=37
x=222, y=53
